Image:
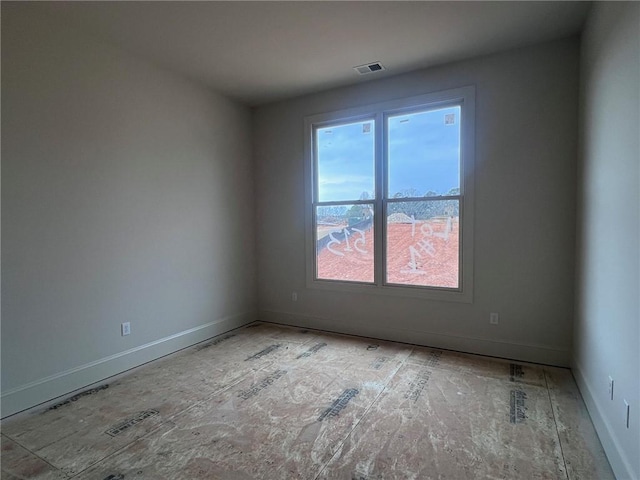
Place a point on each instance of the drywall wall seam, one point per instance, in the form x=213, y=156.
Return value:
x=45, y=389
x=615, y=454
x=509, y=350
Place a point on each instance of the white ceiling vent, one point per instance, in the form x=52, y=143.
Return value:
x=369, y=68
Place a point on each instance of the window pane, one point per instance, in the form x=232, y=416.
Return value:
x=344, y=242
x=423, y=240
x=424, y=153
x=345, y=155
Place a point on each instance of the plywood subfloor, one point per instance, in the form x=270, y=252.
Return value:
x=272, y=402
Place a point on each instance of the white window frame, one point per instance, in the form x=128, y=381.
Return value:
x=465, y=97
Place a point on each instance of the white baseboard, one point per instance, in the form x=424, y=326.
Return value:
x=64, y=383
x=516, y=351
x=617, y=459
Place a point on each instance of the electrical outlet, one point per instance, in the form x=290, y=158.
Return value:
x=125, y=328
x=294, y=296
x=626, y=413
x=610, y=388
x=494, y=318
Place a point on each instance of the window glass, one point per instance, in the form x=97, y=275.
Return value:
x=344, y=242
x=346, y=163
x=422, y=240
x=424, y=153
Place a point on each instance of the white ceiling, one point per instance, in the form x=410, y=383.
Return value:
x=263, y=51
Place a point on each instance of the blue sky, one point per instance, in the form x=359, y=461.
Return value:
x=423, y=155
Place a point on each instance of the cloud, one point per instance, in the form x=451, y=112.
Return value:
x=335, y=187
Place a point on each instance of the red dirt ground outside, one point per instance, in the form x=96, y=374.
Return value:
x=434, y=262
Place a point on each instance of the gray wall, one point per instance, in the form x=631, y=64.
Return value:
x=526, y=142
x=607, y=330
x=127, y=195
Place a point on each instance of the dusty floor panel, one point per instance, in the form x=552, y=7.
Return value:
x=430, y=424
x=514, y=372
x=582, y=450
x=74, y=435
x=283, y=418
x=18, y=463
x=269, y=401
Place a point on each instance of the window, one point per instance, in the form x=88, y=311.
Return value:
x=389, y=197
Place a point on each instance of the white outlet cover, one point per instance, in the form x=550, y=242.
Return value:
x=126, y=328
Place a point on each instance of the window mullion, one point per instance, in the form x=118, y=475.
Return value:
x=379, y=216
